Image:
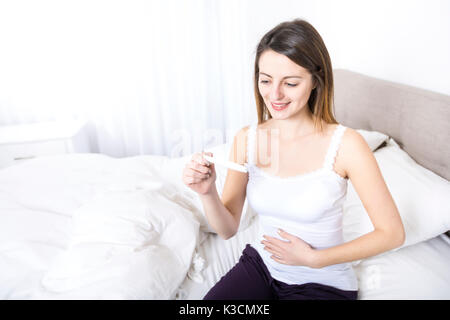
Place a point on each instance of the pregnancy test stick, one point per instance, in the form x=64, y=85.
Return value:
x=227, y=164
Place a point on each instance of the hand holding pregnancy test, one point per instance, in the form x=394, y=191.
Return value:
x=228, y=164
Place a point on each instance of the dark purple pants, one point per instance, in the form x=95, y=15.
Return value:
x=250, y=279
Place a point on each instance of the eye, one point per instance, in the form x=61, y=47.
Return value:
x=288, y=84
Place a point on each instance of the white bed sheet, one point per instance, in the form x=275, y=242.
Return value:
x=419, y=271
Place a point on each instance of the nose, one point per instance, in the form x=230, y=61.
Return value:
x=276, y=93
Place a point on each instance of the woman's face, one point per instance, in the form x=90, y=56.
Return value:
x=284, y=85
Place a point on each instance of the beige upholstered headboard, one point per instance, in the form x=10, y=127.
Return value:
x=418, y=120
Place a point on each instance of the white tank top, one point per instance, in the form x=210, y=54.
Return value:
x=308, y=206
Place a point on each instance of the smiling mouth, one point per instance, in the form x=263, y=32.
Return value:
x=279, y=106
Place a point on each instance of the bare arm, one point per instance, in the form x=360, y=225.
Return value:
x=222, y=220
x=363, y=171
x=224, y=214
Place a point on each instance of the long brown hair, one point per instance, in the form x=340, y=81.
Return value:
x=299, y=41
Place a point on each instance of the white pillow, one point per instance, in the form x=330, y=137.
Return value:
x=421, y=196
x=373, y=138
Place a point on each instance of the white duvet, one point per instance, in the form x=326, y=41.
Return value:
x=94, y=227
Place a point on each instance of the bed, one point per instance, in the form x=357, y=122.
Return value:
x=89, y=226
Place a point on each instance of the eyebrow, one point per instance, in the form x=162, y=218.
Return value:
x=283, y=77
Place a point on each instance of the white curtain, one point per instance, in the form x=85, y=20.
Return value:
x=166, y=77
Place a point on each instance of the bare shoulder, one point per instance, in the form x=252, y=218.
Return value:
x=353, y=139
x=238, y=152
x=243, y=131
x=354, y=152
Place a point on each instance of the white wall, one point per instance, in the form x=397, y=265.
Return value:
x=406, y=41
x=403, y=41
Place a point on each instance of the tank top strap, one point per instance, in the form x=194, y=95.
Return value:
x=251, y=138
x=334, y=147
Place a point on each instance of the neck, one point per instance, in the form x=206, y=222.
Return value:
x=296, y=127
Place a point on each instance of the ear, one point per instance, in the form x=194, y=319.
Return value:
x=314, y=83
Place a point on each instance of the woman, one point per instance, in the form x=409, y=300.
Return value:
x=299, y=160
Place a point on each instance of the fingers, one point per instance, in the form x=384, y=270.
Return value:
x=277, y=252
x=271, y=246
x=285, y=235
x=198, y=157
x=272, y=249
x=198, y=169
x=279, y=259
x=275, y=241
x=197, y=178
x=199, y=163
